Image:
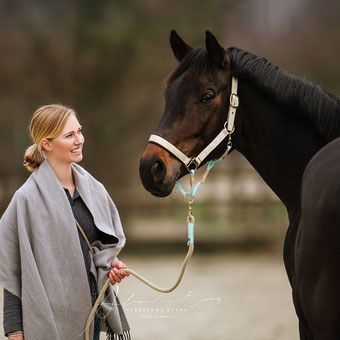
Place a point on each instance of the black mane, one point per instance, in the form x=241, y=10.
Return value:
x=295, y=94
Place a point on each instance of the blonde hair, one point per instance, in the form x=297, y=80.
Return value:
x=48, y=121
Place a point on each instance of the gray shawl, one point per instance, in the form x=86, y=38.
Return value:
x=41, y=260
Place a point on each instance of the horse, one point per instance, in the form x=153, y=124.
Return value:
x=288, y=129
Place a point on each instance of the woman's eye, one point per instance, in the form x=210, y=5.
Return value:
x=207, y=98
x=68, y=136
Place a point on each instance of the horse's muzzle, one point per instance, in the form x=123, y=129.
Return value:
x=158, y=171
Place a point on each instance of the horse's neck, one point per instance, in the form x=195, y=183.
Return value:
x=278, y=144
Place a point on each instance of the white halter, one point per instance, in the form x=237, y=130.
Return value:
x=228, y=129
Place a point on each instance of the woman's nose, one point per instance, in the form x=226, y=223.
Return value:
x=79, y=140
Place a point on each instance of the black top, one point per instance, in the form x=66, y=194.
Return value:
x=12, y=313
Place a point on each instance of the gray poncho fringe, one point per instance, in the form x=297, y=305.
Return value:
x=41, y=261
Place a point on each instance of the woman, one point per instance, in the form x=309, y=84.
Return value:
x=50, y=278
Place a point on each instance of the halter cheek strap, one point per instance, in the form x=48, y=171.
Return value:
x=229, y=127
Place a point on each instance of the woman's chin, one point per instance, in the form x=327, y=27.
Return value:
x=77, y=158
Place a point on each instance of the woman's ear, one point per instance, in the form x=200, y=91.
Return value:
x=46, y=145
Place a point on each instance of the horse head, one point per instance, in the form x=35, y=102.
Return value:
x=196, y=101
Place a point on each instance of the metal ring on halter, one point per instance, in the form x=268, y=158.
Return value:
x=190, y=219
x=226, y=129
x=189, y=199
x=194, y=162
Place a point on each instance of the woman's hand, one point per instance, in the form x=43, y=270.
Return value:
x=16, y=336
x=115, y=274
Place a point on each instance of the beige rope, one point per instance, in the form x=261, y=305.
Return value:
x=139, y=277
x=180, y=276
x=85, y=238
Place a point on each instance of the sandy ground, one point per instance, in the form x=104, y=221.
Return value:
x=221, y=297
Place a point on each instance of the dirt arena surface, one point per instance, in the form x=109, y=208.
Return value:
x=229, y=296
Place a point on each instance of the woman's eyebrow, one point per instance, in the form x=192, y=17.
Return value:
x=72, y=131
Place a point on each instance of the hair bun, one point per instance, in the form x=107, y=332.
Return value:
x=33, y=158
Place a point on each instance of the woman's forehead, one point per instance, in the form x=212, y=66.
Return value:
x=71, y=123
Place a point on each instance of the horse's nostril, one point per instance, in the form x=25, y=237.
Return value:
x=158, y=171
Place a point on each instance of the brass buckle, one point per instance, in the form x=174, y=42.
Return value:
x=226, y=128
x=233, y=100
x=194, y=162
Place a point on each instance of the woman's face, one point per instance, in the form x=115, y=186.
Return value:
x=68, y=146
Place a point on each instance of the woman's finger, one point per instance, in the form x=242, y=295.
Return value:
x=120, y=265
x=118, y=273
x=125, y=273
x=116, y=277
x=123, y=266
x=114, y=280
x=113, y=277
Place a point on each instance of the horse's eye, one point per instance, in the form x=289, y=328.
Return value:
x=207, y=98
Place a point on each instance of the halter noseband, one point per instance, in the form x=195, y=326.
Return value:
x=227, y=130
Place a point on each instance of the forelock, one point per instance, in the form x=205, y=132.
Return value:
x=196, y=62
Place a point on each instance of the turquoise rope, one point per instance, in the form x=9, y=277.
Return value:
x=180, y=188
x=212, y=163
x=193, y=191
x=191, y=233
x=195, y=188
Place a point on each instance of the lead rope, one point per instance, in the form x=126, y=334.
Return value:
x=189, y=198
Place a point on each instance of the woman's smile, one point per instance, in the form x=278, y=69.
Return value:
x=77, y=150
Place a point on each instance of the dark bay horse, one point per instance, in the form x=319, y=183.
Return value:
x=287, y=128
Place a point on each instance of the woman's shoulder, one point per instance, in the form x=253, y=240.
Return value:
x=22, y=195
x=27, y=189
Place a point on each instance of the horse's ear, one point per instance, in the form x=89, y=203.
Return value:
x=179, y=47
x=216, y=52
